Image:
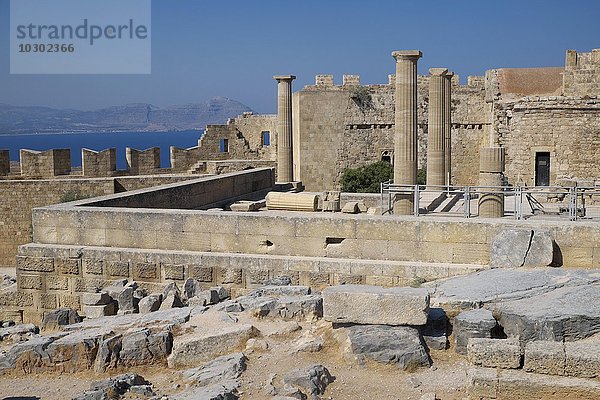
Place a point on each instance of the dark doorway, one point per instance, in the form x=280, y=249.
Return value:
x=542, y=169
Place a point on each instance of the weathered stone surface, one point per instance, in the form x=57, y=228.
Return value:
x=306, y=307
x=144, y=347
x=150, y=303
x=226, y=367
x=95, y=299
x=477, y=323
x=216, y=335
x=309, y=344
x=281, y=290
x=16, y=333
x=114, y=388
x=312, y=381
x=582, y=359
x=562, y=314
x=399, y=345
x=494, y=353
x=53, y=320
x=517, y=384
x=191, y=288
x=364, y=304
x=171, y=297
x=545, y=357
x=108, y=353
x=279, y=281
x=502, y=284
x=100, y=311
x=522, y=247
x=351, y=207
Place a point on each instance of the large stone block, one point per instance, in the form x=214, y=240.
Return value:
x=477, y=323
x=519, y=247
x=494, y=353
x=582, y=359
x=35, y=264
x=375, y=305
x=545, y=357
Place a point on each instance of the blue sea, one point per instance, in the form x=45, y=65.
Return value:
x=100, y=141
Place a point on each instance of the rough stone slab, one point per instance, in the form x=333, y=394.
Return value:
x=582, y=359
x=191, y=349
x=502, y=284
x=150, y=303
x=400, y=345
x=566, y=313
x=280, y=290
x=221, y=368
x=312, y=381
x=494, y=353
x=364, y=304
x=509, y=248
x=477, y=323
x=17, y=331
x=483, y=383
x=53, y=320
x=545, y=357
x=306, y=307
x=116, y=387
x=95, y=299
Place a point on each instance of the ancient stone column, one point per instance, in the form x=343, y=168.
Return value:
x=491, y=168
x=436, y=174
x=285, y=162
x=448, y=128
x=405, y=138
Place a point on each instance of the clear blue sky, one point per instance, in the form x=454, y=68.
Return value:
x=232, y=48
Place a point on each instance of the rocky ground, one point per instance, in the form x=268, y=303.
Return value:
x=497, y=334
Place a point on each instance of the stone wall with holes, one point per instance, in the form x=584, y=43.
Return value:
x=348, y=125
x=566, y=127
x=78, y=251
x=19, y=197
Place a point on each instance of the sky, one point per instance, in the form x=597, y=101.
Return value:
x=232, y=48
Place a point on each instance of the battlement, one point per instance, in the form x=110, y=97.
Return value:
x=324, y=80
x=45, y=164
x=99, y=163
x=351, y=80
x=143, y=162
x=582, y=73
x=4, y=162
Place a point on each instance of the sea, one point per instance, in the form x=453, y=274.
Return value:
x=101, y=140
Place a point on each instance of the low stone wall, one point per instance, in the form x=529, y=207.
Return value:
x=19, y=197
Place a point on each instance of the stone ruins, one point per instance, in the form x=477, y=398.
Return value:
x=243, y=272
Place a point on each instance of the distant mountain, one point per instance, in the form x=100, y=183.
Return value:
x=130, y=117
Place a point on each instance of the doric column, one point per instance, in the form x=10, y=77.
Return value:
x=448, y=128
x=285, y=163
x=436, y=175
x=405, y=138
x=491, y=168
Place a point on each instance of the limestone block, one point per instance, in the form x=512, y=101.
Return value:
x=173, y=272
x=48, y=301
x=545, y=357
x=29, y=282
x=202, y=274
x=95, y=299
x=494, y=353
x=375, y=305
x=35, y=264
x=57, y=282
x=150, y=303
x=53, y=320
x=292, y=201
x=483, y=383
x=351, y=207
x=582, y=359
x=100, y=310
x=117, y=268
x=477, y=323
x=518, y=247
x=93, y=266
x=144, y=270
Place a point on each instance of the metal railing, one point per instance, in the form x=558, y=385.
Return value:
x=520, y=202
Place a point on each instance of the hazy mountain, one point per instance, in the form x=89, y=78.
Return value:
x=129, y=117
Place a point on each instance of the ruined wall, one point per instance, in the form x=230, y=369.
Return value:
x=45, y=164
x=98, y=163
x=582, y=73
x=348, y=126
x=4, y=162
x=566, y=127
x=244, y=143
x=19, y=197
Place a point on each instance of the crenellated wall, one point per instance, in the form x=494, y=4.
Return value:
x=44, y=164
x=143, y=162
x=582, y=73
x=96, y=164
x=4, y=162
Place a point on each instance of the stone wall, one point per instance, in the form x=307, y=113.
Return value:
x=4, y=162
x=530, y=125
x=44, y=164
x=19, y=197
x=99, y=164
x=582, y=73
x=335, y=129
x=143, y=162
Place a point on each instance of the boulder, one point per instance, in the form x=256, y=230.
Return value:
x=150, y=303
x=311, y=381
x=53, y=320
x=95, y=299
x=362, y=304
x=191, y=288
x=478, y=323
x=115, y=387
x=143, y=347
x=171, y=297
x=399, y=345
x=122, y=292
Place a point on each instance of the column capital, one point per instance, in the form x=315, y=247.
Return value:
x=284, y=77
x=438, y=71
x=412, y=55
